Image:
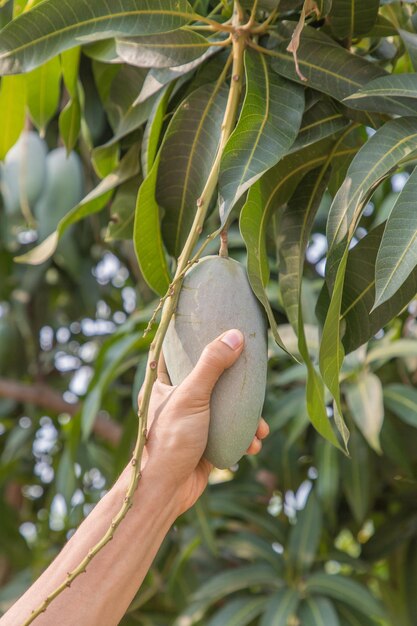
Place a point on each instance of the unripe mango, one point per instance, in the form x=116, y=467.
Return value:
x=216, y=296
x=24, y=172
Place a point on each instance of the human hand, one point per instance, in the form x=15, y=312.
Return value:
x=179, y=417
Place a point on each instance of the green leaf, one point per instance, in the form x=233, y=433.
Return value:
x=351, y=18
x=281, y=608
x=70, y=123
x=264, y=197
x=123, y=211
x=238, y=612
x=331, y=348
x=359, y=294
x=395, y=530
x=54, y=26
x=317, y=611
x=244, y=577
x=304, y=537
x=356, y=477
x=171, y=49
x=160, y=77
x=92, y=203
x=397, y=255
x=410, y=42
x=410, y=577
x=187, y=154
x=328, y=480
x=293, y=235
x=266, y=129
x=395, y=141
x=294, y=229
x=385, y=351
x=345, y=590
x=44, y=91
x=70, y=64
x=113, y=354
x=319, y=121
x=328, y=67
x=365, y=401
x=124, y=116
x=350, y=617
x=147, y=235
x=12, y=111
x=395, y=94
x=153, y=130
x=66, y=481
x=402, y=400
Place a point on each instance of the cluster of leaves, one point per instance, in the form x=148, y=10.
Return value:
x=322, y=132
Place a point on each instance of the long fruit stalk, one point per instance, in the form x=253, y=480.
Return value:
x=203, y=202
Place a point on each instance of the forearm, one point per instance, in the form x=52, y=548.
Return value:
x=103, y=593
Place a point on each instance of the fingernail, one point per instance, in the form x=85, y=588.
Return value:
x=233, y=339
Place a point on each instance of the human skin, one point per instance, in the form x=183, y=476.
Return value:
x=174, y=475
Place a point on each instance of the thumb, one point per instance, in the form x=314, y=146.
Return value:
x=217, y=356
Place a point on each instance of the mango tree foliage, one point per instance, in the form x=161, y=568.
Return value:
x=315, y=186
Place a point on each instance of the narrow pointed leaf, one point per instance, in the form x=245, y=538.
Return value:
x=281, y=609
x=365, y=401
x=151, y=136
x=381, y=153
x=189, y=148
x=396, y=95
x=147, y=235
x=397, y=255
x=124, y=116
x=177, y=47
x=331, y=348
x=317, y=611
x=267, y=127
x=356, y=478
x=123, y=211
x=294, y=231
x=70, y=65
x=402, y=400
x=227, y=582
x=305, y=536
x=238, y=612
x=320, y=121
x=351, y=18
x=293, y=235
x=328, y=67
x=360, y=324
x=328, y=480
x=95, y=201
x=410, y=42
x=70, y=123
x=44, y=91
x=52, y=27
x=12, y=111
x=159, y=77
x=349, y=617
x=345, y=590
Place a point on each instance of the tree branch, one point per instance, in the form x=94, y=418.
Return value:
x=46, y=398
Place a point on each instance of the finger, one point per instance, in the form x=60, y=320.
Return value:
x=263, y=429
x=255, y=447
x=217, y=356
x=163, y=375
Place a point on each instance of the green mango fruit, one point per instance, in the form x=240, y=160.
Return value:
x=23, y=173
x=216, y=296
x=64, y=189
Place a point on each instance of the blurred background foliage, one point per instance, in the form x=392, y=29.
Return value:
x=300, y=535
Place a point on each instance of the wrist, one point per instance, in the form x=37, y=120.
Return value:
x=155, y=488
